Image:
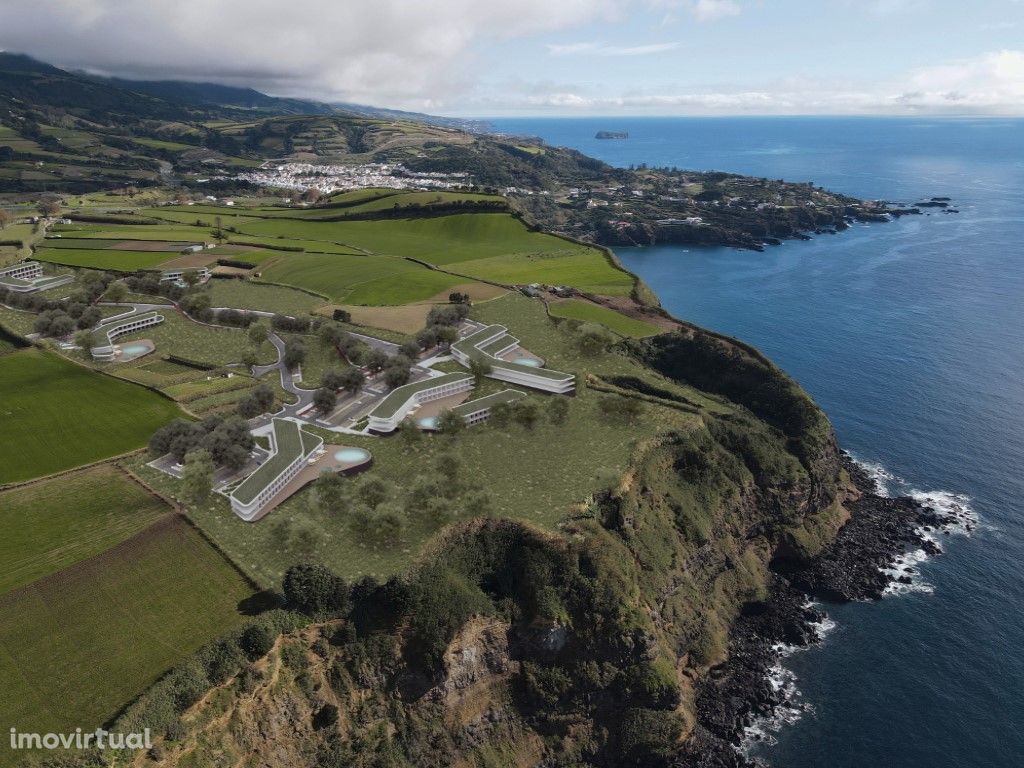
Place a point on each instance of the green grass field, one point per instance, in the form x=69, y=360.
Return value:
x=43, y=533
x=492, y=246
x=245, y=294
x=57, y=415
x=372, y=280
x=587, y=312
x=77, y=645
x=104, y=258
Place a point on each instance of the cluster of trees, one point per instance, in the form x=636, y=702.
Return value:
x=378, y=513
x=60, y=317
x=259, y=400
x=350, y=380
x=442, y=324
x=286, y=324
x=330, y=334
x=226, y=439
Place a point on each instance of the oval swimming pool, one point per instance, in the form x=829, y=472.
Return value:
x=134, y=349
x=351, y=455
x=427, y=422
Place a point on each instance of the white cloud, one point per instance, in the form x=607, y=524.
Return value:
x=601, y=49
x=992, y=83
x=710, y=10
x=388, y=52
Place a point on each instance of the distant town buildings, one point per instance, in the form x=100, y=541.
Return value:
x=338, y=178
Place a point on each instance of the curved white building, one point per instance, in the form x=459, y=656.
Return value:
x=103, y=337
x=401, y=400
x=488, y=344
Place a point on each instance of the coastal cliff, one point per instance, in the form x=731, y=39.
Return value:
x=640, y=633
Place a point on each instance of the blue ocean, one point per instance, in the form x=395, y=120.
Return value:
x=910, y=334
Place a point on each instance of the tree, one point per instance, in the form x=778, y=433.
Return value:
x=352, y=380
x=480, y=368
x=427, y=338
x=90, y=316
x=558, y=410
x=458, y=298
x=593, y=339
x=501, y=415
x=332, y=492
x=197, y=477
x=116, y=292
x=396, y=376
x=622, y=409
x=5, y=219
x=83, y=340
x=376, y=360
x=258, y=333
x=316, y=591
x=48, y=205
x=448, y=468
x=329, y=334
x=450, y=423
x=525, y=413
x=325, y=399
x=294, y=353
x=446, y=335
x=409, y=349
x=409, y=432
x=373, y=491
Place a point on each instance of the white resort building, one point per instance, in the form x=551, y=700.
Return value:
x=174, y=275
x=291, y=448
x=402, y=400
x=479, y=410
x=103, y=337
x=491, y=343
x=28, y=277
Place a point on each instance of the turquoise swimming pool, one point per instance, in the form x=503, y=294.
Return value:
x=529, y=361
x=427, y=422
x=351, y=455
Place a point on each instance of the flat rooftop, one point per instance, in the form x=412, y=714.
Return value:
x=472, y=406
x=389, y=406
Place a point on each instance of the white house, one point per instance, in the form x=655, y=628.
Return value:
x=174, y=275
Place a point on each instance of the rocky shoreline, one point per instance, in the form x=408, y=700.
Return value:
x=858, y=565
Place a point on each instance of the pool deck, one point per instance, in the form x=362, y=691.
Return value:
x=325, y=462
x=437, y=407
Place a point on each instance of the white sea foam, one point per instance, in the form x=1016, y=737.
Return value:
x=959, y=519
x=783, y=681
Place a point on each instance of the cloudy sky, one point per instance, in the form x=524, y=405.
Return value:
x=557, y=57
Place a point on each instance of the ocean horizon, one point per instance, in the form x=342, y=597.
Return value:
x=910, y=334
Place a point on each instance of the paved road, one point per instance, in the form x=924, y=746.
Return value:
x=304, y=396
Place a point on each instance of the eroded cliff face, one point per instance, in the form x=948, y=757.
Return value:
x=515, y=647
